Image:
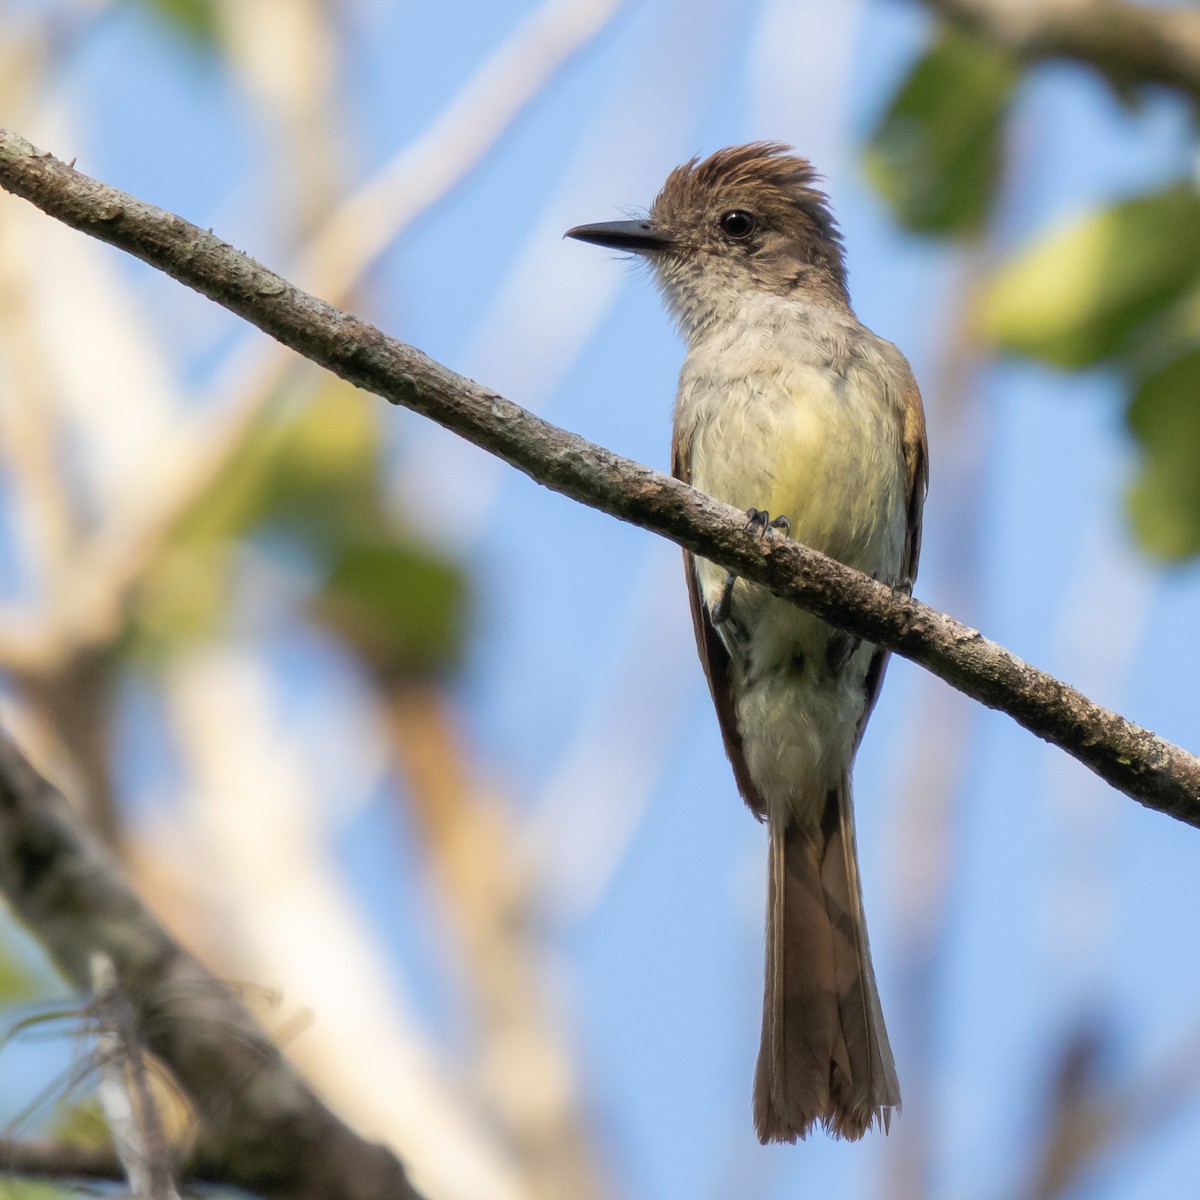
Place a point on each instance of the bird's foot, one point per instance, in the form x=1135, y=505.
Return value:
x=760, y=519
x=902, y=588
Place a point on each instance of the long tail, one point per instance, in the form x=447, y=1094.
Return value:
x=825, y=1055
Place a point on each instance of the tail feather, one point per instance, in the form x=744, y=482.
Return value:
x=825, y=1056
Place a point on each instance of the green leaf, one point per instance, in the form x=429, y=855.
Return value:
x=1082, y=293
x=314, y=468
x=935, y=155
x=314, y=473
x=311, y=470
x=399, y=605
x=20, y=1189
x=196, y=18
x=1170, y=333
x=82, y=1124
x=1164, y=502
x=15, y=983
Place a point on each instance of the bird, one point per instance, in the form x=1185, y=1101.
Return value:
x=789, y=408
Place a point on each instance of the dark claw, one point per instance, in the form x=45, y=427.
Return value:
x=720, y=612
x=902, y=587
x=760, y=519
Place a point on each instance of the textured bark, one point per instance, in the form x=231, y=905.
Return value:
x=261, y=1127
x=1152, y=770
x=1127, y=43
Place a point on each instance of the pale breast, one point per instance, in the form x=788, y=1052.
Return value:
x=803, y=420
x=803, y=417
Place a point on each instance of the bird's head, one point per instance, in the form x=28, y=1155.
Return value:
x=746, y=221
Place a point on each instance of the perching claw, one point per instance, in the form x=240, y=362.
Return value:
x=760, y=519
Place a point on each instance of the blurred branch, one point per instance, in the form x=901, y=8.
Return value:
x=1127, y=43
x=79, y=697
x=938, y=742
x=286, y=56
x=1161, y=775
x=254, y=830
x=364, y=224
x=474, y=848
x=262, y=1128
x=108, y=569
x=1090, y=1121
x=596, y=798
x=57, y=1160
x=30, y=423
x=37, y=439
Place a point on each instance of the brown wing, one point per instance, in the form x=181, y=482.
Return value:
x=916, y=457
x=715, y=658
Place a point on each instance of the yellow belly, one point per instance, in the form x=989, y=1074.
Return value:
x=821, y=450
x=824, y=451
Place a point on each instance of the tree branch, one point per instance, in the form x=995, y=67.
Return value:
x=1150, y=769
x=1127, y=43
x=57, y=1160
x=261, y=1127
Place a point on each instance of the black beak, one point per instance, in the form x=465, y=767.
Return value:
x=642, y=237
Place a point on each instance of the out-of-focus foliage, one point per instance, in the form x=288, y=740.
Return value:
x=82, y=1124
x=936, y=154
x=311, y=466
x=1121, y=287
x=197, y=18
x=397, y=604
x=21, y=1189
x=1165, y=499
x=15, y=983
x=312, y=476
x=1084, y=293
x=1118, y=287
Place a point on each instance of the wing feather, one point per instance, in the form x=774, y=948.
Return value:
x=916, y=458
x=714, y=657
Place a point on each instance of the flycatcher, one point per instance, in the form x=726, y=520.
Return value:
x=790, y=408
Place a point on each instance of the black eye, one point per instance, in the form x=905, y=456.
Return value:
x=738, y=224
